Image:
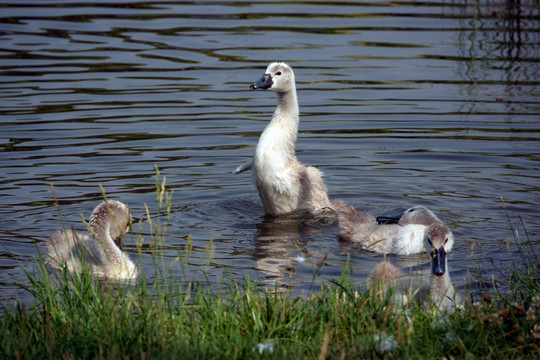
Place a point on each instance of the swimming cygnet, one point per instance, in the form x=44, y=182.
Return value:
x=284, y=184
x=441, y=293
x=401, y=236
x=98, y=251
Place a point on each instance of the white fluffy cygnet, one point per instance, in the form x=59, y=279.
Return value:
x=401, y=236
x=441, y=293
x=97, y=252
x=284, y=184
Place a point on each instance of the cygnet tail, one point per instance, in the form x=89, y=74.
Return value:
x=314, y=193
x=350, y=220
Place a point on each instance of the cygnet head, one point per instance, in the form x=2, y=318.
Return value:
x=439, y=242
x=278, y=77
x=113, y=217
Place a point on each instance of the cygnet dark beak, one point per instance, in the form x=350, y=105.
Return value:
x=438, y=261
x=263, y=83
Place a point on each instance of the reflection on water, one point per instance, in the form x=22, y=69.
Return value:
x=498, y=47
x=402, y=104
x=282, y=243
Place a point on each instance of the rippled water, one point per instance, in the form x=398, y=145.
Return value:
x=402, y=103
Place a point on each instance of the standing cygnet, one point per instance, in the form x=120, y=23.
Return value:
x=284, y=184
x=401, y=236
x=98, y=251
x=441, y=293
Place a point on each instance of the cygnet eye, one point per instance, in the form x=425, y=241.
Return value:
x=446, y=240
x=278, y=73
x=429, y=241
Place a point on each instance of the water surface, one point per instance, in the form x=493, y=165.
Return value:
x=402, y=103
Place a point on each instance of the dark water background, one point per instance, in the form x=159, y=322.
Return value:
x=402, y=103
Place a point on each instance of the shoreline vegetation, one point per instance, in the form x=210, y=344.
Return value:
x=78, y=316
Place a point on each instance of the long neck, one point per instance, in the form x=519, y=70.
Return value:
x=442, y=290
x=102, y=234
x=288, y=105
x=285, y=120
x=279, y=137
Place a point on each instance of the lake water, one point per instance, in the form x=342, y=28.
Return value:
x=402, y=103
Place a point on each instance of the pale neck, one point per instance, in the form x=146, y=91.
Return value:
x=288, y=107
x=103, y=236
x=441, y=287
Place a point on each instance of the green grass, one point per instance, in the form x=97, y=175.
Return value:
x=77, y=317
